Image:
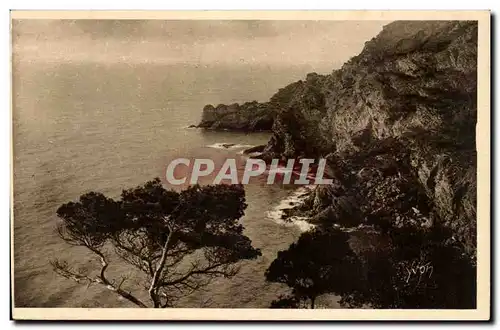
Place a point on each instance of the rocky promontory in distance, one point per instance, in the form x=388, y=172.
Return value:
x=261, y=116
x=249, y=116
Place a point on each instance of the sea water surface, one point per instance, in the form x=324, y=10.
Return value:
x=90, y=127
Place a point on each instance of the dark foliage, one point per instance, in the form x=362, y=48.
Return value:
x=289, y=301
x=179, y=241
x=418, y=269
x=318, y=263
x=407, y=268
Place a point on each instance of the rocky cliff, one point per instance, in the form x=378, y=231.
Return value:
x=397, y=124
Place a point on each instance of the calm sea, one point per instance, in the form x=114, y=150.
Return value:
x=89, y=127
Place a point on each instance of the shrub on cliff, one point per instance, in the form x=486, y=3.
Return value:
x=418, y=268
x=408, y=267
x=319, y=262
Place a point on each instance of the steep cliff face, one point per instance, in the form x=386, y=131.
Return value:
x=397, y=123
x=249, y=116
x=413, y=75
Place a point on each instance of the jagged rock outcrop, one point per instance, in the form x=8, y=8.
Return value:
x=398, y=125
x=256, y=116
x=249, y=116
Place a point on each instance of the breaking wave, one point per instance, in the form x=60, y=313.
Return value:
x=293, y=199
x=229, y=146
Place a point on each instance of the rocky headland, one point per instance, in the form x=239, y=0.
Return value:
x=249, y=116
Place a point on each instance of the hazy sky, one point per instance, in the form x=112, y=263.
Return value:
x=277, y=43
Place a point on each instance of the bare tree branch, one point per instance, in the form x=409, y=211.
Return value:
x=64, y=270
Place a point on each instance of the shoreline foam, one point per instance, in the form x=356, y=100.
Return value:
x=289, y=202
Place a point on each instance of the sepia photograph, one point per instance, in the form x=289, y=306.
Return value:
x=250, y=165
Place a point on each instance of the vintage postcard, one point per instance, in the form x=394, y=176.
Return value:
x=238, y=165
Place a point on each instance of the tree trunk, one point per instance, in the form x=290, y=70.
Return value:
x=313, y=299
x=153, y=290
